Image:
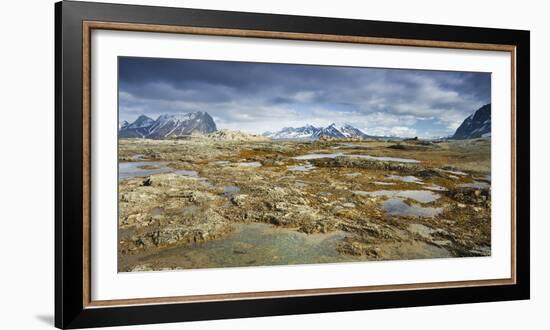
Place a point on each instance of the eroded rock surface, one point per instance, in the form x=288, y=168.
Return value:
x=207, y=194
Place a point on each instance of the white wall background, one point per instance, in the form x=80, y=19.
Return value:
x=27, y=168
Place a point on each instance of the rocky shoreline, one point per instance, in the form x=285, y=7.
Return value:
x=206, y=188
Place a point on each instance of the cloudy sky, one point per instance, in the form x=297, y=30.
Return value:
x=259, y=97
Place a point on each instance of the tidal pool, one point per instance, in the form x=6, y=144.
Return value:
x=421, y=196
x=386, y=159
x=435, y=187
x=301, y=168
x=230, y=191
x=189, y=173
x=407, y=178
x=249, y=164
x=476, y=185
x=396, y=206
x=350, y=146
x=253, y=244
x=157, y=211
x=300, y=184
x=241, y=164
x=141, y=169
x=220, y=162
x=135, y=169
x=319, y=156
x=138, y=157
x=340, y=154
x=455, y=172
x=421, y=230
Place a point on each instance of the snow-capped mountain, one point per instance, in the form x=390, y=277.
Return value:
x=137, y=129
x=167, y=126
x=476, y=125
x=123, y=124
x=312, y=132
x=331, y=131
x=181, y=124
x=350, y=131
x=304, y=132
x=142, y=122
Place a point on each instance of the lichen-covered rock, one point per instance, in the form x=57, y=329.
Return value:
x=191, y=204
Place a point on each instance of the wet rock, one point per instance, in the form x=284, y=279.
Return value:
x=351, y=162
x=421, y=230
x=193, y=225
x=136, y=219
x=481, y=251
x=276, y=160
x=424, y=145
x=242, y=247
x=441, y=243
x=369, y=229
x=199, y=197
x=319, y=226
x=273, y=219
x=467, y=195
x=238, y=200
x=142, y=268
x=356, y=249
x=195, y=212
x=428, y=173
x=145, y=241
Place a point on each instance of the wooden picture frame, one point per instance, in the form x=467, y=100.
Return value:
x=74, y=307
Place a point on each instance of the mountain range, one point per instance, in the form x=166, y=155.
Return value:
x=476, y=125
x=168, y=126
x=313, y=133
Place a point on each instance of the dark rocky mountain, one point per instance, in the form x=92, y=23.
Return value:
x=312, y=132
x=331, y=131
x=137, y=129
x=169, y=126
x=304, y=132
x=476, y=125
x=181, y=124
x=350, y=131
x=123, y=124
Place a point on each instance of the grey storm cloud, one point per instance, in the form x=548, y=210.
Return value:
x=257, y=97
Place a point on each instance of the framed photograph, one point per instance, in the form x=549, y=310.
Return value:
x=214, y=164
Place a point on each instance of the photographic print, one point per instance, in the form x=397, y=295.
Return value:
x=301, y=160
x=239, y=164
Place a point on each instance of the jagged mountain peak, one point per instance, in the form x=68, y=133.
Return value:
x=311, y=132
x=141, y=121
x=143, y=117
x=123, y=124
x=477, y=125
x=169, y=125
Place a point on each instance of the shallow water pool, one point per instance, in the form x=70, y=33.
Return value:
x=255, y=244
x=396, y=206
